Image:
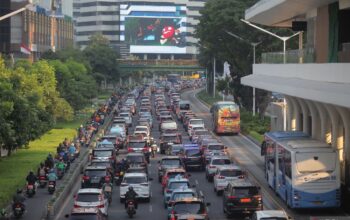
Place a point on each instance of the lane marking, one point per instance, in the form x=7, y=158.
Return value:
x=196, y=181
x=150, y=208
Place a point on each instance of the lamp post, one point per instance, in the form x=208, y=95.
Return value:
x=28, y=6
x=284, y=39
x=253, y=44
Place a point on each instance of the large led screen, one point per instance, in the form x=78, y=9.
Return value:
x=155, y=35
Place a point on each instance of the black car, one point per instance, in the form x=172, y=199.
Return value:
x=193, y=158
x=136, y=160
x=168, y=163
x=95, y=177
x=241, y=198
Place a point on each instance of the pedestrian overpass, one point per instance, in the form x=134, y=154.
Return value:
x=169, y=65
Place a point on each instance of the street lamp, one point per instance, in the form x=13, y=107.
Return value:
x=253, y=44
x=28, y=6
x=284, y=39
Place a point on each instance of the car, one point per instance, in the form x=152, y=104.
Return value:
x=168, y=138
x=95, y=176
x=168, y=163
x=189, y=206
x=86, y=213
x=143, y=128
x=214, y=163
x=213, y=149
x=104, y=153
x=195, y=122
x=196, y=134
x=270, y=214
x=127, y=117
x=136, y=170
x=172, y=173
x=140, y=183
x=105, y=144
x=224, y=174
x=175, y=149
x=91, y=198
x=182, y=193
x=192, y=158
x=194, y=128
x=241, y=198
x=175, y=183
x=136, y=159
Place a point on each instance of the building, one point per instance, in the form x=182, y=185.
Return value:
x=316, y=79
x=33, y=31
x=135, y=27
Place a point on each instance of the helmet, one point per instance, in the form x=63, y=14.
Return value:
x=31, y=172
x=131, y=188
x=19, y=191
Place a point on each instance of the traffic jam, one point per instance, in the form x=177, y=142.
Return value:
x=155, y=140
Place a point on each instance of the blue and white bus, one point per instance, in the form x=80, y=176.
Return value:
x=307, y=172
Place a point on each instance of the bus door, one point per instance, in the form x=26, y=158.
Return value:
x=281, y=173
x=270, y=163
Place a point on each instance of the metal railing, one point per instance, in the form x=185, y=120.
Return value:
x=159, y=62
x=306, y=55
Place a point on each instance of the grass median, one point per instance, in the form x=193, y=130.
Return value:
x=15, y=168
x=254, y=126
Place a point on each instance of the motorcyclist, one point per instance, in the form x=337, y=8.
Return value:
x=41, y=170
x=72, y=150
x=31, y=179
x=108, y=194
x=18, y=198
x=130, y=195
x=60, y=165
x=52, y=177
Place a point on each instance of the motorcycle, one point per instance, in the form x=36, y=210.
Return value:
x=60, y=173
x=52, y=187
x=130, y=208
x=18, y=210
x=108, y=193
x=30, y=190
x=42, y=181
x=119, y=178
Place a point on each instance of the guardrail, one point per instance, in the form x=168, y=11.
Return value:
x=306, y=55
x=66, y=187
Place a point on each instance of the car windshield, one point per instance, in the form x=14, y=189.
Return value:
x=95, y=173
x=221, y=162
x=176, y=148
x=169, y=138
x=135, y=179
x=135, y=159
x=246, y=191
x=202, y=133
x=196, y=122
x=87, y=197
x=171, y=162
x=101, y=164
x=83, y=216
x=105, y=145
x=177, y=185
x=174, y=174
x=137, y=144
x=193, y=152
x=273, y=218
x=188, y=208
x=182, y=195
x=103, y=153
x=231, y=173
x=216, y=147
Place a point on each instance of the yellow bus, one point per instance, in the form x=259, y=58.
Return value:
x=226, y=117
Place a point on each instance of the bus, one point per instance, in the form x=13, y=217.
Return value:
x=306, y=171
x=226, y=117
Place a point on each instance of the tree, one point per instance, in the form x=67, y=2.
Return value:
x=220, y=16
x=102, y=59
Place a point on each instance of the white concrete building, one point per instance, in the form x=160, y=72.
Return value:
x=106, y=17
x=317, y=92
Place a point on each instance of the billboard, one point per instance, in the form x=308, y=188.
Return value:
x=154, y=28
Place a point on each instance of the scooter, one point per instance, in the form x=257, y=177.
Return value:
x=60, y=173
x=52, y=187
x=18, y=210
x=130, y=208
x=42, y=181
x=119, y=177
x=30, y=190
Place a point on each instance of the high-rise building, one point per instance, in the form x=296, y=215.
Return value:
x=33, y=31
x=148, y=29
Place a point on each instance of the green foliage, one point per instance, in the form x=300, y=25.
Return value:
x=102, y=59
x=207, y=98
x=255, y=123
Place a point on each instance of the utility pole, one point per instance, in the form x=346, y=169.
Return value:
x=214, y=77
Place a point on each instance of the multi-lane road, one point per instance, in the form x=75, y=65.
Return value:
x=243, y=151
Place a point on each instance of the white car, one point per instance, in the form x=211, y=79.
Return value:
x=143, y=129
x=270, y=214
x=194, y=128
x=127, y=117
x=195, y=122
x=225, y=174
x=139, y=182
x=90, y=198
x=215, y=163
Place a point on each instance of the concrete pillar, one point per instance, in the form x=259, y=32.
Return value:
x=305, y=111
x=326, y=128
x=145, y=56
x=290, y=111
x=295, y=123
x=332, y=112
x=158, y=56
x=172, y=57
x=315, y=130
x=345, y=165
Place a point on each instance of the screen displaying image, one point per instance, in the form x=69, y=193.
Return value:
x=156, y=32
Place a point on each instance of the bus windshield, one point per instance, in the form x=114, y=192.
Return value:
x=315, y=162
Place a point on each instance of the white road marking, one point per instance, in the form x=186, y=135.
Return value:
x=196, y=182
x=150, y=208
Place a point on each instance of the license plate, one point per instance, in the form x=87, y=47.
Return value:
x=30, y=187
x=245, y=200
x=18, y=209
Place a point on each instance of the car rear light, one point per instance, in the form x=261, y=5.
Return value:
x=130, y=149
x=86, y=177
x=168, y=191
x=241, y=177
x=124, y=184
x=258, y=197
x=212, y=167
x=221, y=177
x=76, y=206
x=231, y=197
x=101, y=206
